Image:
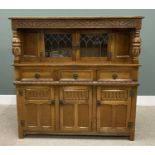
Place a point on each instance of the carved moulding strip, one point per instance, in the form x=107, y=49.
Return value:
x=77, y=83
x=75, y=65
x=77, y=23
x=136, y=46
x=16, y=46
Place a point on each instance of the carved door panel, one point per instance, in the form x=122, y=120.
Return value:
x=113, y=109
x=75, y=108
x=39, y=108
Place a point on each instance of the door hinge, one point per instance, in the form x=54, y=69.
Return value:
x=22, y=123
x=130, y=125
x=109, y=55
x=21, y=92
x=131, y=92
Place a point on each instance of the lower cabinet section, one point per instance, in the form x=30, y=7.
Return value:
x=75, y=109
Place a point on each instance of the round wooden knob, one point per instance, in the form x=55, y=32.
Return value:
x=51, y=102
x=98, y=102
x=114, y=76
x=61, y=102
x=37, y=75
x=75, y=76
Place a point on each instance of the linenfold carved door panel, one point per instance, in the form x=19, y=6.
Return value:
x=39, y=108
x=113, y=108
x=75, y=108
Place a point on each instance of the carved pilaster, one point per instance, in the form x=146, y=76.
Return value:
x=16, y=46
x=136, y=46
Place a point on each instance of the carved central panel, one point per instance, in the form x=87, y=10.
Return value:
x=120, y=95
x=37, y=94
x=75, y=94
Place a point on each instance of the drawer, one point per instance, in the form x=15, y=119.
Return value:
x=79, y=75
x=36, y=75
x=114, y=75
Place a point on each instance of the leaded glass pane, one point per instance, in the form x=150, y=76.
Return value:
x=93, y=45
x=58, y=45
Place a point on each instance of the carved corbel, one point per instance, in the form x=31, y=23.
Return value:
x=136, y=46
x=16, y=46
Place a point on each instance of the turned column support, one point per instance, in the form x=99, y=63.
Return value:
x=136, y=46
x=16, y=46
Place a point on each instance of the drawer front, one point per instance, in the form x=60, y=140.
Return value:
x=36, y=75
x=114, y=75
x=81, y=75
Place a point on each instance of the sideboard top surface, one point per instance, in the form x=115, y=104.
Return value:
x=78, y=17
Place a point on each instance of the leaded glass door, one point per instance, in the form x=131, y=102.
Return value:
x=95, y=45
x=58, y=46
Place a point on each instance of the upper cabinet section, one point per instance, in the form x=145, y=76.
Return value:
x=76, y=39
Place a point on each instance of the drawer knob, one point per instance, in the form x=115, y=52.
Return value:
x=37, y=75
x=114, y=76
x=61, y=102
x=51, y=102
x=75, y=76
x=98, y=102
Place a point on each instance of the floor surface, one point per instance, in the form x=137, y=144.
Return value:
x=145, y=132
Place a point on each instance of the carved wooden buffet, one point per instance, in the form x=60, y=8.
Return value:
x=76, y=75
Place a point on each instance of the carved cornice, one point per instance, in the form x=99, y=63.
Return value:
x=16, y=46
x=77, y=23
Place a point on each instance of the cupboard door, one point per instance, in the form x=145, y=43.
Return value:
x=58, y=46
x=39, y=108
x=113, y=109
x=75, y=108
x=94, y=45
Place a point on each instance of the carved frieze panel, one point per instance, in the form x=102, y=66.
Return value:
x=37, y=94
x=75, y=94
x=112, y=94
x=77, y=23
